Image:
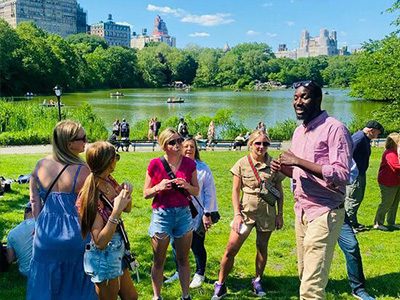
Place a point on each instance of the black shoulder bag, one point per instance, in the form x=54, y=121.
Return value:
x=171, y=175
x=129, y=257
x=215, y=216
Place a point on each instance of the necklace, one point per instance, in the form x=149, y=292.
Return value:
x=106, y=185
x=174, y=166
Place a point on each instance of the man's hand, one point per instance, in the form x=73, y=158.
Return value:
x=288, y=158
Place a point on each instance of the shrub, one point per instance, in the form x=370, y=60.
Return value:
x=282, y=130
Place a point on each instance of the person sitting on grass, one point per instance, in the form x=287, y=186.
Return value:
x=389, y=184
x=20, y=240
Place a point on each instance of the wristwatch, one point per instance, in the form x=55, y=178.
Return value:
x=207, y=214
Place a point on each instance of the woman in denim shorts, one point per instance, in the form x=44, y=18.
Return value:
x=103, y=256
x=171, y=216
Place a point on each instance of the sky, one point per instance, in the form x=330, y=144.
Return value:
x=212, y=23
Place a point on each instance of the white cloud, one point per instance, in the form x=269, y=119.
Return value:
x=289, y=23
x=267, y=4
x=208, y=20
x=272, y=35
x=165, y=10
x=252, y=32
x=199, y=34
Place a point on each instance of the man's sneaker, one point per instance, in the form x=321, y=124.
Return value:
x=359, y=228
x=362, y=295
x=257, y=288
x=381, y=227
x=219, y=291
x=395, y=226
x=197, y=281
x=172, y=278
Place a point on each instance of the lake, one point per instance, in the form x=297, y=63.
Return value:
x=248, y=106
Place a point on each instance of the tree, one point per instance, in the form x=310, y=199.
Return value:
x=87, y=42
x=378, y=71
x=340, y=71
x=10, y=63
x=207, y=69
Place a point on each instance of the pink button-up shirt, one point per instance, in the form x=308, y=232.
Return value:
x=327, y=142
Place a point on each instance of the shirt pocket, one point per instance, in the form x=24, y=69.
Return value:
x=250, y=181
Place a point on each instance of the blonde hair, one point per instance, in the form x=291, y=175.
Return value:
x=99, y=157
x=64, y=133
x=392, y=141
x=165, y=136
x=255, y=135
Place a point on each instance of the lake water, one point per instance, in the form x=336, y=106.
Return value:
x=249, y=107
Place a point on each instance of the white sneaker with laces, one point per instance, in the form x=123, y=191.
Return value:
x=172, y=278
x=197, y=281
x=380, y=227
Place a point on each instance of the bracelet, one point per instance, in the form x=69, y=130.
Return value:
x=113, y=220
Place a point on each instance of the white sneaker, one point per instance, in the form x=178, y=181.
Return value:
x=381, y=227
x=172, y=278
x=197, y=281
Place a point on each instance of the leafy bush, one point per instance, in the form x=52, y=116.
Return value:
x=282, y=130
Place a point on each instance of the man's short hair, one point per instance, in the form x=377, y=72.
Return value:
x=312, y=86
x=375, y=125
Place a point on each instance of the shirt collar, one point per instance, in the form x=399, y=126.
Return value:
x=316, y=121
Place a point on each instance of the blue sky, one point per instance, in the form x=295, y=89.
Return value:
x=213, y=23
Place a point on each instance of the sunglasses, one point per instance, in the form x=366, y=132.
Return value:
x=265, y=144
x=83, y=139
x=176, y=141
x=305, y=83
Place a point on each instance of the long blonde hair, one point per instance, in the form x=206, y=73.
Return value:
x=99, y=157
x=64, y=133
x=392, y=141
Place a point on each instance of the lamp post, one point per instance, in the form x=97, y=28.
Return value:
x=57, y=91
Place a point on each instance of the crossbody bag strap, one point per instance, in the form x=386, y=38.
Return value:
x=172, y=176
x=54, y=182
x=254, y=169
x=121, y=226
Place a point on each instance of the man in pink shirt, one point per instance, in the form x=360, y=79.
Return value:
x=319, y=163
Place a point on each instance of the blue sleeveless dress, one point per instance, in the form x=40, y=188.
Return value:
x=56, y=270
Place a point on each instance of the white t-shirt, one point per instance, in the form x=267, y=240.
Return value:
x=20, y=239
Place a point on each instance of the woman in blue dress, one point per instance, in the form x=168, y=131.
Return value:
x=56, y=270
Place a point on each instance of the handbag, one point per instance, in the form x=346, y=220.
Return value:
x=171, y=175
x=266, y=186
x=129, y=257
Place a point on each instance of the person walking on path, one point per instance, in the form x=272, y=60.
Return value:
x=116, y=129
x=210, y=133
x=56, y=270
x=259, y=207
x=361, y=154
x=319, y=163
x=389, y=184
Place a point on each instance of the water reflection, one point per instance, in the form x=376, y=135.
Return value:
x=249, y=107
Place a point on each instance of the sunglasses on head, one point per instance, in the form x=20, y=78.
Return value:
x=265, y=144
x=176, y=141
x=83, y=139
x=305, y=83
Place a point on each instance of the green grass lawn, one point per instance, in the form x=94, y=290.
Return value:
x=380, y=250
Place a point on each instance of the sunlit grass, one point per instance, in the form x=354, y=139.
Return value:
x=380, y=250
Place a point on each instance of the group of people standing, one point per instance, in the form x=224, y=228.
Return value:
x=80, y=243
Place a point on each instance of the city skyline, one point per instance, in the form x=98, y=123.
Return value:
x=212, y=24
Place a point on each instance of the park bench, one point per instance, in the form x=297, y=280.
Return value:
x=143, y=143
x=377, y=142
x=229, y=144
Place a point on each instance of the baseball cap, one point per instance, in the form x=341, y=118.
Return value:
x=375, y=125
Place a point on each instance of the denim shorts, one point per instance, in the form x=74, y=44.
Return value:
x=104, y=264
x=174, y=221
